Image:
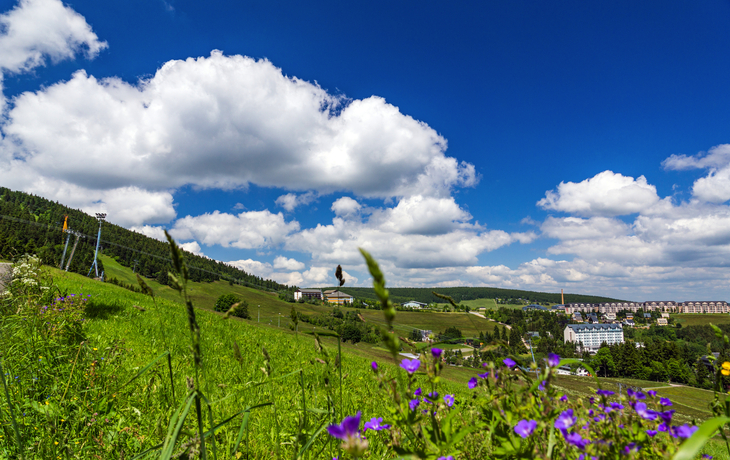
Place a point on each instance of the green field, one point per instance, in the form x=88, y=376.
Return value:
x=480, y=303
x=695, y=319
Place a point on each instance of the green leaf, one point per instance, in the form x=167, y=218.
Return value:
x=691, y=447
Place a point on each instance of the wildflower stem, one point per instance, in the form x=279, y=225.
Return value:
x=16, y=430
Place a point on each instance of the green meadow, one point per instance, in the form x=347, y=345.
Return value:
x=117, y=388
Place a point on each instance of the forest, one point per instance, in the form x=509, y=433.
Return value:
x=30, y=224
x=459, y=294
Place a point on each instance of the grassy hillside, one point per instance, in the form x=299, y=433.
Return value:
x=691, y=402
x=204, y=295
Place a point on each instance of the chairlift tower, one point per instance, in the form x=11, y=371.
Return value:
x=100, y=216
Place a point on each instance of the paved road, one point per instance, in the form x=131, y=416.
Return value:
x=4, y=275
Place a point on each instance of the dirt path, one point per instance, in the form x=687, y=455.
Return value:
x=4, y=275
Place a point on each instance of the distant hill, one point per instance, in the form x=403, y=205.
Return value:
x=425, y=295
x=31, y=224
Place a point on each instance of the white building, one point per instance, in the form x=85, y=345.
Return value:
x=308, y=294
x=414, y=304
x=591, y=336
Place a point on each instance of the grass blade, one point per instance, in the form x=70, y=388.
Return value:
x=311, y=440
x=176, y=423
x=146, y=368
x=692, y=446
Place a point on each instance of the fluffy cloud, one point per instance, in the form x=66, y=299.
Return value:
x=247, y=230
x=226, y=122
x=345, y=206
x=36, y=30
x=192, y=247
x=292, y=200
x=605, y=194
x=282, y=263
x=338, y=243
x=715, y=187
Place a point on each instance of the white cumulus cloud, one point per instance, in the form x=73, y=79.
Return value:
x=36, y=30
x=247, y=230
x=605, y=194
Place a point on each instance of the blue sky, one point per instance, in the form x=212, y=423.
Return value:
x=545, y=146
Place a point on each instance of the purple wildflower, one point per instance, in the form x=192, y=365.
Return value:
x=640, y=395
x=450, y=457
x=592, y=400
x=436, y=352
x=348, y=428
x=707, y=456
x=473, y=383
x=433, y=395
x=348, y=431
x=376, y=424
x=525, y=428
x=646, y=414
x=553, y=360
x=631, y=447
x=565, y=420
x=417, y=392
x=667, y=416
x=663, y=427
x=541, y=387
x=665, y=402
x=605, y=393
x=413, y=403
x=449, y=400
x=616, y=406
x=651, y=393
x=563, y=398
x=484, y=375
x=684, y=431
x=576, y=440
x=630, y=392
x=509, y=362
x=374, y=365
x=651, y=433
x=410, y=365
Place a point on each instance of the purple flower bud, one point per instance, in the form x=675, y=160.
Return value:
x=374, y=365
x=553, y=360
x=413, y=403
x=436, y=352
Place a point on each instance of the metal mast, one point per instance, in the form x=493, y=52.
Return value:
x=100, y=216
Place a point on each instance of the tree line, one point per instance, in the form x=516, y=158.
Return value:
x=460, y=294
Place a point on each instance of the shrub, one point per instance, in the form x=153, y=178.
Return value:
x=224, y=302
